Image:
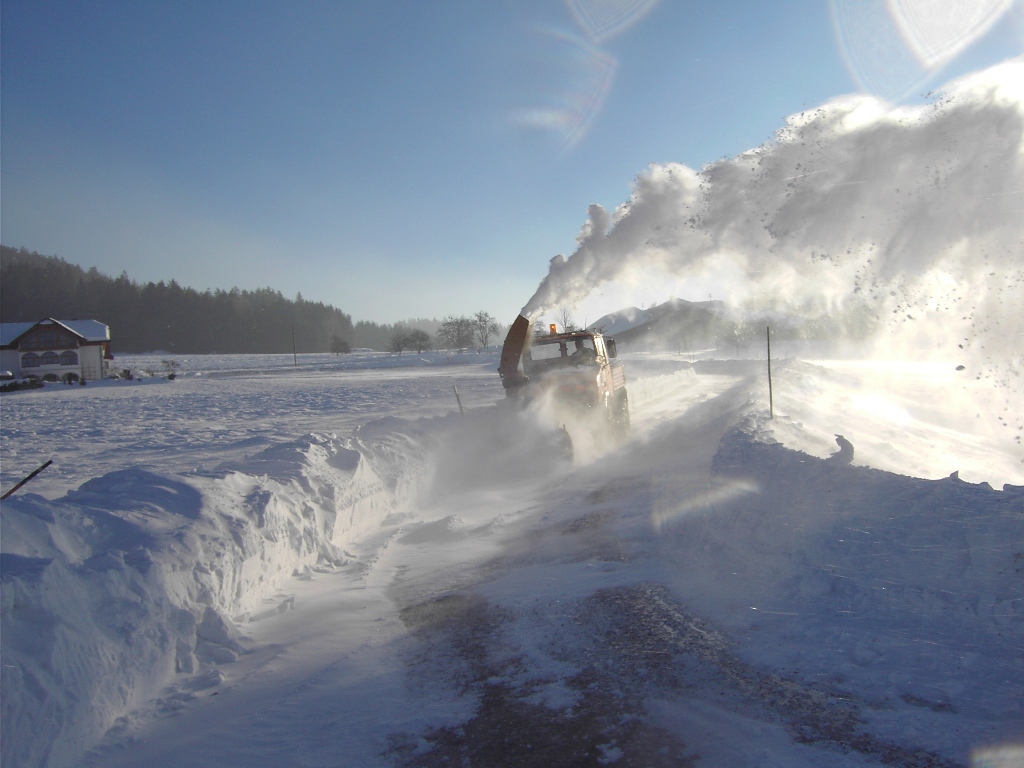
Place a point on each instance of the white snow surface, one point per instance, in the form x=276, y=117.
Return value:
x=326, y=564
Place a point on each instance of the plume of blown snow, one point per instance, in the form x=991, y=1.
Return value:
x=916, y=213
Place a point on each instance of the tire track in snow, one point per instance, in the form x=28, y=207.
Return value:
x=648, y=635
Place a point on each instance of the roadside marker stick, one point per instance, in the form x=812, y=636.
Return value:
x=771, y=401
x=458, y=399
x=36, y=472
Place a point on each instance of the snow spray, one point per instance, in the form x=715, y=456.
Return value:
x=912, y=217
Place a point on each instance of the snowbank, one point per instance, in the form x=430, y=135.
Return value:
x=134, y=577
x=138, y=576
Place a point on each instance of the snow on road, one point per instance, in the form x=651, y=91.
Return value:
x=407, y=587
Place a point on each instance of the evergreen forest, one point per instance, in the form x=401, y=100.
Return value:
x=168, y=317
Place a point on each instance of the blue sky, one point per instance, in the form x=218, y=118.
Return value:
x=398, y=159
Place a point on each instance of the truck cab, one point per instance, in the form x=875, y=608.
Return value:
x=575, y=367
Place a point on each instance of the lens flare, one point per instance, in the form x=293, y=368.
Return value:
x=892, y=47
x=1008, y=756
x=936, y=31
x=587, y=74
x=583, y=69
x=719, y=493
x=601, y=20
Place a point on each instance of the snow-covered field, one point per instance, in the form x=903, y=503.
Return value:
x=265, y=564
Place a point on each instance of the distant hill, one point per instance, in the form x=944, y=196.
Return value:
x=676, y=324
x=680, y=325
x=618, y=322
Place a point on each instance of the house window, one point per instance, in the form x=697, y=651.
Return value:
x=69, y=358
x=49, y=358
x=31, y=360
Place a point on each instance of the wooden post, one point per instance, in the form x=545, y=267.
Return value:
x=458, y=399
x=771, y=401
x=33, y=474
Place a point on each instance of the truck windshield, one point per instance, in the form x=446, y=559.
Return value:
x=547, y=350
x=562, y=352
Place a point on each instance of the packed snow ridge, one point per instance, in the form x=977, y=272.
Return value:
x=138, y=576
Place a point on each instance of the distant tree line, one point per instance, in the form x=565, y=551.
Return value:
x=452, y=333
x=169, y=317
x=165, y=316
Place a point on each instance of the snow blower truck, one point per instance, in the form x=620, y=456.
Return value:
x=573, y=368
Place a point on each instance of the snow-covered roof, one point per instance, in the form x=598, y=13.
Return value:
x=89, y=330
x=10, y=331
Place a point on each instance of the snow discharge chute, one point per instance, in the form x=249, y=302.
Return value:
x=512, y=353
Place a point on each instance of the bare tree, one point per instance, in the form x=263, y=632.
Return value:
x=403, y=339
x=399, y=341
x=418, y=340
x=339, y=346
x=485, y=326
x=565, y=319
x=456, y=332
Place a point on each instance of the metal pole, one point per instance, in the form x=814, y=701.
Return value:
x=771, y=401
x=26, y=480
x=458, y=399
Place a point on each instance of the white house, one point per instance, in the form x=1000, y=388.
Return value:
x=56, y=350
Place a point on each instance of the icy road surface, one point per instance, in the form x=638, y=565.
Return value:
x=701, y=595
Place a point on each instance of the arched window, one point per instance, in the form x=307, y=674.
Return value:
x=69, y=358
x=49, y=358
x=30, y=360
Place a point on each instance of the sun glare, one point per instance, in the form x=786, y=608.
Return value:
x=892, y=47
